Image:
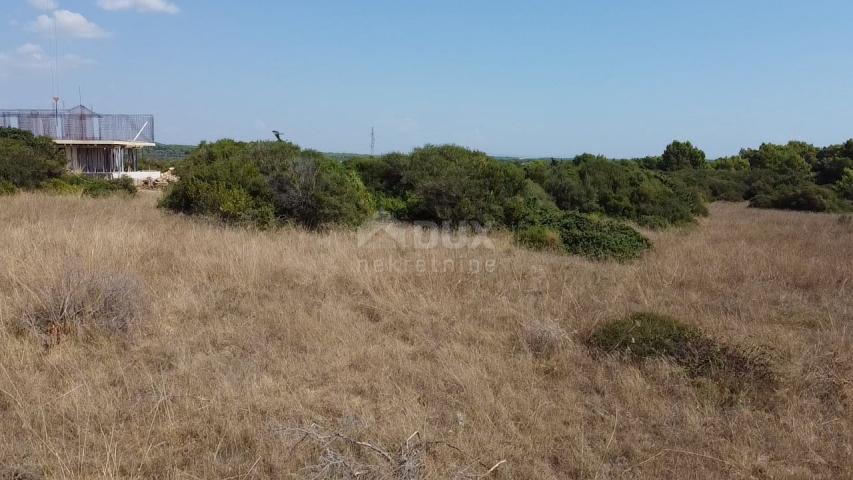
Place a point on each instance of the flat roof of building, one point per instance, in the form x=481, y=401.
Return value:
x=105, y=143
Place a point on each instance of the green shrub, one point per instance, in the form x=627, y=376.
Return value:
x=647, y=335
x=643, y=336
x=790, y=158
x=229, y=203
x=98, y=187
x=383, y=175
x=580, y=234
x=316, y=192
x=92, y=187
x=26, y=160
x=539, y=238
x=394, y=207
x=452, y=184
x=845, y=185
x=621, y=189
x=718, y=184
x=804, y=197
x=732, y=164
x=7, y=188
x=58, y=186
x=519, y=208
x=601, y=238
x=446, y=184
x=267, y=183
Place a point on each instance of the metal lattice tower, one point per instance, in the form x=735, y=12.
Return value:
x=372, y=141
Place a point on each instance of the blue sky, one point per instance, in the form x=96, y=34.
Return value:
x=538, y=78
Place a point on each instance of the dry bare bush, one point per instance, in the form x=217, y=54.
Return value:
x=543, y=338
x=247, y=330
x=18, y=473
x=341, y=457
x=82, y=302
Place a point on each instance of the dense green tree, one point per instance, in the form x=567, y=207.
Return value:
x=680, y=155
x=779, y=158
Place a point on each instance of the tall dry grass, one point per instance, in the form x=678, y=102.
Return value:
x=244, y=334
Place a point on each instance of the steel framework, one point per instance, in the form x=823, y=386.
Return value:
x=81, y=123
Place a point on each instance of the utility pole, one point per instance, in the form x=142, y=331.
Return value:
x=57, y=126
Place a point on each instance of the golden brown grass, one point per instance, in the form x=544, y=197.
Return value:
x=245, y=333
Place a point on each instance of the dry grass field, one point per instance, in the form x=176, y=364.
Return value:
x=212, y=352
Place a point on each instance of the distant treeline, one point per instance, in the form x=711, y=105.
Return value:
x=163, y=156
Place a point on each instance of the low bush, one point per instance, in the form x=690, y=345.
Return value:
x=98, y=187
x=83, y=303
x=59, y=186
x=231, y=204
x=601, y=238
x=804, y=197
x=593, y=237
x=92, y=187
x=542, y=339
x=642, y=336
x=7, y=188
x=539, y=238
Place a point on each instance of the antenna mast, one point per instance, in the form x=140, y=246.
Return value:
x=372, y=141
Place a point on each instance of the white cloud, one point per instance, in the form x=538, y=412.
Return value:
x=46, y=5
x=158, y=6
x=31, y=50
x=68, y=23
x=32, y=57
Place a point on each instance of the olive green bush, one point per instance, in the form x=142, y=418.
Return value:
x=445, y=184
x=7, y=188
x=538, y=237
x=802, y=197
x=715, y=185
x=587, y=235
x=845, y=184
x=26, y=160
x=738, y=373
x=268, y=183
x=89, y=186
x=621, y=189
